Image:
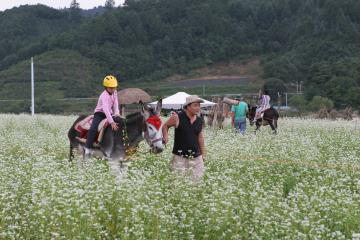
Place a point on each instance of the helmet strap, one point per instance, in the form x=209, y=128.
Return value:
x=108, y=91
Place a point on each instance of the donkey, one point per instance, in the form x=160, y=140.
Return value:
x=117, y=145
x=270, y=117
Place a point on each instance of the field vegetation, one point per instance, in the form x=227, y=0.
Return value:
x=302, y=183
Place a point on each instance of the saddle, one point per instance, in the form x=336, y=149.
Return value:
x=83, y=126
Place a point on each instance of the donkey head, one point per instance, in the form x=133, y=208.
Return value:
x=152, y=131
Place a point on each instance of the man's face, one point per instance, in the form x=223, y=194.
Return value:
x=193, y=108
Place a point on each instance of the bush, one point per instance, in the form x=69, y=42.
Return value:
x=319, y=102
x=298, y=102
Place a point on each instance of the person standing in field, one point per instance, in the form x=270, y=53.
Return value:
x=238, y=113
x=189, y=146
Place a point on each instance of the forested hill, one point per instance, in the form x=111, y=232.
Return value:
x=313, y=41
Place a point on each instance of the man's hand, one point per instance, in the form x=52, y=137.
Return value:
x=173, y=121
x=114, y=126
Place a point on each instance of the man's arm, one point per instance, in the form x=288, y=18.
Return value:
x=171, y=122
x=202, y=144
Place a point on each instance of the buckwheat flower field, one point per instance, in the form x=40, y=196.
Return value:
x=303, y=183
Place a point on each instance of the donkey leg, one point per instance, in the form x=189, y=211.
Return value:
x=272, y=127
x=118, y=169
x=257, y=126
x=71, y=153
x=87, y=155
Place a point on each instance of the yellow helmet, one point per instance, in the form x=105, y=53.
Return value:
x=110, y=81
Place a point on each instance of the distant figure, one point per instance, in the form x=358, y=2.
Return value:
x=106, y=106
x=189, y=147
x=264, y=104
x=238, y=115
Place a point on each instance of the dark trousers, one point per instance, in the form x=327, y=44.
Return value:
x=98, y=117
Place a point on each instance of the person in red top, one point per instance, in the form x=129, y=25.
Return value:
x=107, y=106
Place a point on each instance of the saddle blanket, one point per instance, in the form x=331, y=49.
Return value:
x=84, y=125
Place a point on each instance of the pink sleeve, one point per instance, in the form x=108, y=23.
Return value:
x=106, y=108
x=116, y=104
x=263, y=100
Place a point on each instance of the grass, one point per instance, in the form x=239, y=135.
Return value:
x=302, y=183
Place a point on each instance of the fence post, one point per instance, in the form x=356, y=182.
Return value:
x=32, y=88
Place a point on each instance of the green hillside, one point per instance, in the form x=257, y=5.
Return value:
x=25, y=31
x=59, y=74
x=313, y=42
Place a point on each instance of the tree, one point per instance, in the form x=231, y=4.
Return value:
x=298, y=102
x=353, y=97
x=319, y=74
x=109, y=4
x=337, y=89
x=275, y=87
x=75, y=11
x=284, y=68
x=74, y=5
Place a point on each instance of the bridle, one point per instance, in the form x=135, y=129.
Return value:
x=155, y=121
x=132, y=150
x=155, y=141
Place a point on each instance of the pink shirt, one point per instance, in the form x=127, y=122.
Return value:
x=108, y=104
x=265, y=102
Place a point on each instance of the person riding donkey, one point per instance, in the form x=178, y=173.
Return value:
x=264, y=104
x=106, y=106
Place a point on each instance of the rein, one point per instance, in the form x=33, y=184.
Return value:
x=132, y=150
x=128, y=150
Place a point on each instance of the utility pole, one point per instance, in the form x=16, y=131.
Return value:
x=32, y=88
x=297, y=87
x=279, y=101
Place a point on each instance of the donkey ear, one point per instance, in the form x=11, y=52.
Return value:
x=145, y=111
x=158, y=107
